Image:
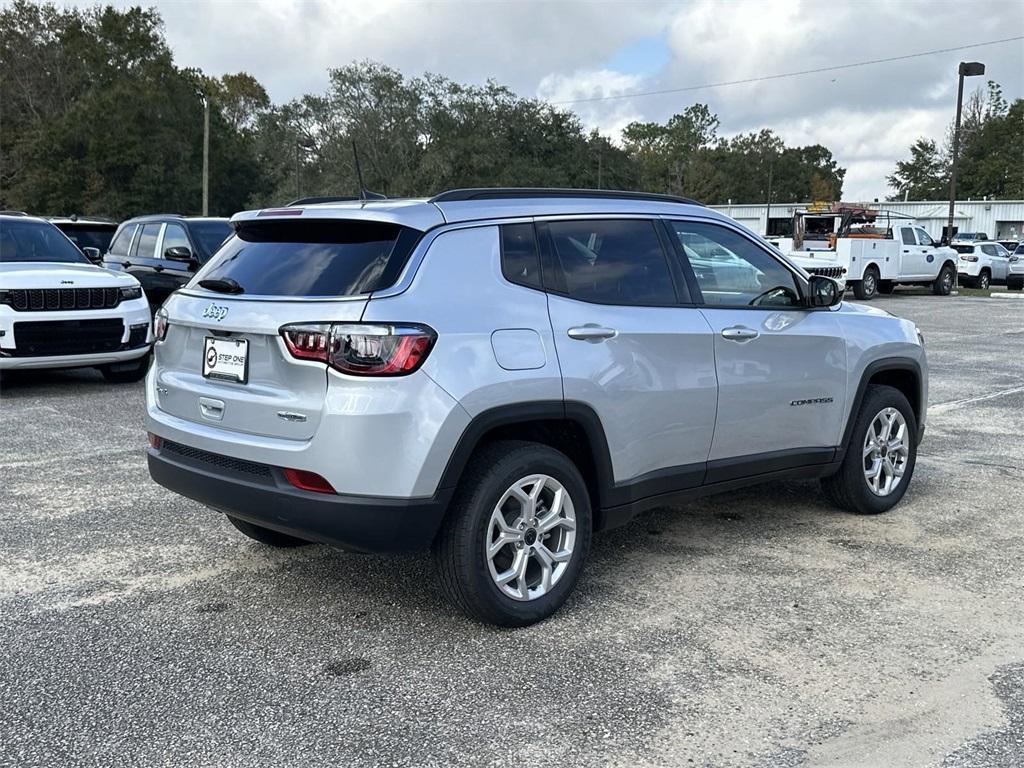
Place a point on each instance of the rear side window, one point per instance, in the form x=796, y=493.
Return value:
x=145, y=246
x=989, y=250
x=520, y=260
x=612, y=262
x=908, y=236
x=312, y=258
x=119, y=247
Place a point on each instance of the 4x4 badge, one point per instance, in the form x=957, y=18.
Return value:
x=215, y=312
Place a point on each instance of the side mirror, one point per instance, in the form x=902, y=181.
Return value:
x=179, y=253
x=824, y=292
x=93, y=255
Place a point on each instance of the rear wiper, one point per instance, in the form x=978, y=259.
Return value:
x=222, y=285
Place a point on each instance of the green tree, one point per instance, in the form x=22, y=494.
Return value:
x=992, y=162
x=924, y=176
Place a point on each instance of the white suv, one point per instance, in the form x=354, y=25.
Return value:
x=59, y=311
x=982, y=264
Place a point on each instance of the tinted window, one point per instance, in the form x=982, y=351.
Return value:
x=175, y=237
x=209, y=235
x=312, y=258
x=732, y=271
x=145, y=248
x=963, y=248
x=1020, y=249
x=36, y=241
x=88, y=235
x=612, y=262
x=520, y=261
x=990, y=250
x=124, y=239
x=908, y=236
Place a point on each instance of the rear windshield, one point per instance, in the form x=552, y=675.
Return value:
x=208, y=236
x=89, y=235
x=312, y=258
x=36, y=241
x=963, y=248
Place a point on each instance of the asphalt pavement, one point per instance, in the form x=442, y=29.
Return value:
x=758, y=628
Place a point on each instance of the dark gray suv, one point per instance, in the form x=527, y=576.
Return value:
x=164, y=251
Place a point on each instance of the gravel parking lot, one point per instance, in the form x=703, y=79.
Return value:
x=761, y=628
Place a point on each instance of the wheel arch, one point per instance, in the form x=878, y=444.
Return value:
x=902, y=373
x=570, y=427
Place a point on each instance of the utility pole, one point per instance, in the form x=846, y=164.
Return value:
x=301, y=145
x=768, y=208
x=966, y=69
x=206, y=156
x=600, y=166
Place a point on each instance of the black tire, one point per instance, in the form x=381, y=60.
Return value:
x=866, y=288
x=265, y=535
x=127, y=373
x=943, y=283
x=886, y=287
x=848, y=488
x=984, y=281
x=459, y=550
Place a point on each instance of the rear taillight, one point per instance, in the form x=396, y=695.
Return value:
x=160, y=324
x=361, y=349
x=965, y=257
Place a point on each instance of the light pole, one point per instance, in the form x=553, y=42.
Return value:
x=300, y=144
x=206, y=156
x=967, y=69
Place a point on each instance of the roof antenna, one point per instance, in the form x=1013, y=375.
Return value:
x=364, y=193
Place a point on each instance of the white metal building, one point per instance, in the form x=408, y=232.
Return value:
x=999, y=219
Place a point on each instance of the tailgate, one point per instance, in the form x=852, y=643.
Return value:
x=281, y=396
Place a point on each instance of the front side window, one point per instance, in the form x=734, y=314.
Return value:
x=36, y=241
x=908, y=236
x=923, y=238
x=1001, y=251
x=732, y=271
x=612, y=262
x=175, y=237
x=145, y=247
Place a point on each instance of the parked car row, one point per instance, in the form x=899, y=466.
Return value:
x=872, y=251
x=80, y=291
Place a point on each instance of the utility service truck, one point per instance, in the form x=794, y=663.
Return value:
x=867, y=249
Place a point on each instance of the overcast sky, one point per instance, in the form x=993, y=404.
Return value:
x=561, y=50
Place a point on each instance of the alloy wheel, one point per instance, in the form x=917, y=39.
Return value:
x=530, y=537
x=886, y=451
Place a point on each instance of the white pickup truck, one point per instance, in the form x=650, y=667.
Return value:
x=869, y=250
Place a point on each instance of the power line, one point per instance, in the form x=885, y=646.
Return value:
x=762, y=78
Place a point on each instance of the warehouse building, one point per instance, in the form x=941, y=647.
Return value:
x=999, y=219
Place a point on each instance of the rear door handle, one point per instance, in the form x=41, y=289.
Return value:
x=739, y=333
x=591, y=333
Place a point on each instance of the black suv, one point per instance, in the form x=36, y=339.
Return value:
x=163, y=251
x=92, y=234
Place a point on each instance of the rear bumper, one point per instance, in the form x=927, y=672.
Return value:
x=259, y=494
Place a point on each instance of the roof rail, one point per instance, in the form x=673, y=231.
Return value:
x=13, y=213
x=514, y=193
x=326, y=199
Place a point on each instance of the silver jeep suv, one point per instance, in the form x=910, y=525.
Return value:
x=499, y=373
